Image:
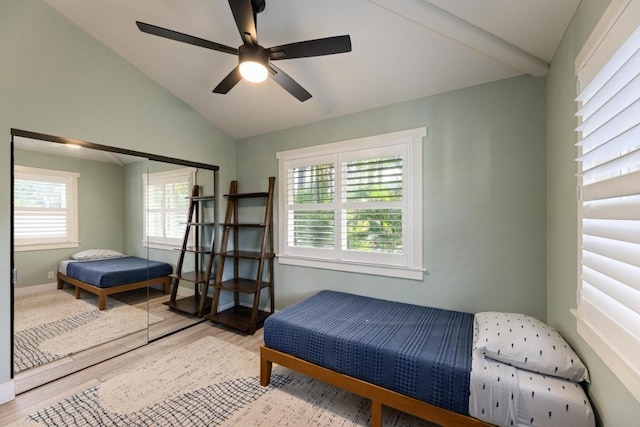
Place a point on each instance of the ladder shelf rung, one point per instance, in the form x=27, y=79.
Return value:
x=201, y=198
x=247, y=195
x=193, y=276
x=197, y=250
x=247, y=254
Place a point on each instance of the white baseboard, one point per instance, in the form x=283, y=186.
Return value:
x=29, y=290
x=7, y=391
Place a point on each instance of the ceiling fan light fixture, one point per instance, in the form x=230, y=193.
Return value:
x=253, y=71
x=253, y=64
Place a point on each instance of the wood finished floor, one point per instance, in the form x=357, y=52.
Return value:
x=45, y=395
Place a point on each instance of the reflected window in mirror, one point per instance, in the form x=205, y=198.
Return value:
x=45, y=209
x=167, y=204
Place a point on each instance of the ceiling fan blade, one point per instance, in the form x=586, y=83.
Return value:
x=229, y=82
x=288, y=83
x=305, y=49
x=244, y=17
x=184, y=38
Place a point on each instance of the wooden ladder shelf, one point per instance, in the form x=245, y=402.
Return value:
x=203, y=254
x=247, y=317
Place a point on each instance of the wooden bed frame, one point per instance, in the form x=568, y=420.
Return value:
x=379, y=396
x=102, y=293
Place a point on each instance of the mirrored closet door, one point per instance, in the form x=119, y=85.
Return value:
x=96, y=240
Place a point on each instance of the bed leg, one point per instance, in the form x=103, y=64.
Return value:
x=265, y=372
x=77, y=292
x=376, y=414
x=165, y=286
x=102, y=302
x=60, y=283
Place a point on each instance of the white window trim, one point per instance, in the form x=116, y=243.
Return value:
x=413, y=269
x=71, y=179
x=616, y=25
x=191, y=178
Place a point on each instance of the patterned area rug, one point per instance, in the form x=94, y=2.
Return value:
x=211, y=382
x=52, y=325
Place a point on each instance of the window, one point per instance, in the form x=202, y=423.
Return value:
x=167, y=206
x=45, y=209
x=608, y=71
x=354, y=205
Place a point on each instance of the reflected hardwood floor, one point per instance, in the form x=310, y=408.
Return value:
x=171, y=323
x=45, y=395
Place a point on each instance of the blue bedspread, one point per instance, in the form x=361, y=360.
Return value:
x=422, y=352
x=106, y=273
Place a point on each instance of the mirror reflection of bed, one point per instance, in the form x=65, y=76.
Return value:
x=64, y=322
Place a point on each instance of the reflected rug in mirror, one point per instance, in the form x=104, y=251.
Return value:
x=53, y=324
x=211, y=383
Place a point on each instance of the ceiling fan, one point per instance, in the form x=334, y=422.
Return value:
x=254, y=61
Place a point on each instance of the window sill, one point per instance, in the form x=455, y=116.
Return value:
x=45, y=246
x=378, y=270
x=160, y=246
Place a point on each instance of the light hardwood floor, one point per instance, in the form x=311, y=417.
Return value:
x=45, y=395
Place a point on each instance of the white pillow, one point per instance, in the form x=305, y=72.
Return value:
x=527, y=343
x=95, y=254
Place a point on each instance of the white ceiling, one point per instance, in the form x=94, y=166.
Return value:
x=402, y=50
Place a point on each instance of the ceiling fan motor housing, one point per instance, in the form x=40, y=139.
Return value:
x=253, y=53
x=257, y=5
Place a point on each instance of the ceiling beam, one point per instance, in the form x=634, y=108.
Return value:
x=432, y=17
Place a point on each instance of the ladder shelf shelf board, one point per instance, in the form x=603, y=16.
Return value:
x=245, y=286
x=197, y=231
x=241, y=317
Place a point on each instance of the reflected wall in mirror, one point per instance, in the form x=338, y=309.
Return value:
x=84, y=257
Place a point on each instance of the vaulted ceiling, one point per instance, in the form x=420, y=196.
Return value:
x=401, y=50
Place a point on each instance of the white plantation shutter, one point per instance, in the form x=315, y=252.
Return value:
x=311, y=200
x=609, y=208
x=373, y=203
x=167, y=206
x=45, y=209
x=351, y=204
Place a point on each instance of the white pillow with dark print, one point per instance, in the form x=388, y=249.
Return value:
x=95, y=254
x=527, y=343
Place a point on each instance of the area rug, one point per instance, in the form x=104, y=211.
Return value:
x=53, y=324
x=211, y=383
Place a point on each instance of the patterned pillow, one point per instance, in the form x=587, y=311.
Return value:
x=96, y=254
x=527, y=343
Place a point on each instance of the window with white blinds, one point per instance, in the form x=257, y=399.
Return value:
x=45, y=209
x=609, y=182
x=354, y=205
x=167, y=207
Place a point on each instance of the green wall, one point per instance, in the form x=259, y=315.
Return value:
x=484, y=198
x=613, y=403
x=58, y=80
x=100, y=213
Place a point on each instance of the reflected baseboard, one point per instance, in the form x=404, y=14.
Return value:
x=30, y=290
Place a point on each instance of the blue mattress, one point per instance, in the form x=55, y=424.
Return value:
x=110, y=272
x=422, y=352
